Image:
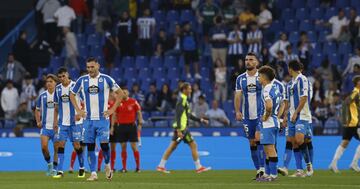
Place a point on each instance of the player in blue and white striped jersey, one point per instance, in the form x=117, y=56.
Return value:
x=96, y=88
x=47, y=122
x=248, y=97
x=272, y=99
x=299, y=116
x=70, y=126
x=254, y=39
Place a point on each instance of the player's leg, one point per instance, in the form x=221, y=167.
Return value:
x=273, y=159
x=123, y=156
x=133, y=139
x=354, y=164
x=89, y=140
x=45, y=151
x=308, y=142
x=346, y=138
x=100, y=160
x=112, y=155
x=76, y=136
x=56, y=157
x=260, y=149
x=61, y=138
x=72, y=161
x=166, y=155
x=301, y=129
x=290, y=134
x=103, y=134
x=250, y=130
x=268, y=139
x=195, y=156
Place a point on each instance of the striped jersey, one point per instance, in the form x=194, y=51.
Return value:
x=251, y=95
x=281, y=87
x=290, y=57
x=66, y=109
x=271, y=92
x=145, y=25
x=96, y=94
x=254, y=47
x=297, y=88
x=235, y=48
x=46, y=105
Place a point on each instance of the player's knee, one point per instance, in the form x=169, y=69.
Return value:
x=44, y=148
x=104, y=147
x=77, y=145
x=344, y=143
x=91, y=147
x=289, y=145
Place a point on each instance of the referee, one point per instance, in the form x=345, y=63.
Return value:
x=181, y=131
x=124, y=128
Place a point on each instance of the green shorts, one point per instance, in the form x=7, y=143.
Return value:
x=187, y=138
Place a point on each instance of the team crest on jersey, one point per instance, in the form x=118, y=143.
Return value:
x=101, y=79
x=50, y=104
x=251, y=88
x=65, y=98
x=93, y=89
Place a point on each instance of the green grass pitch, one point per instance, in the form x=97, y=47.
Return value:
x=238, y=179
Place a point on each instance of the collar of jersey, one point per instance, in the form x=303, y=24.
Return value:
x=256, y=74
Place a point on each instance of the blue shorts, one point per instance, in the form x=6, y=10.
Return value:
x=49, y=133
x=250, y=127
x=96, y=129
x=290, y=130
x=268, y=135
x=73, y=132
x=302, y=127
x=309, y=132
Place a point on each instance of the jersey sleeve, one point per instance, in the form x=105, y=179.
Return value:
x=266, y=92
x=77, y=87
x=38, y=103
x=304, y=86
x=56, y=96
x=112, y=84
x=137, y=106
x=238, y=84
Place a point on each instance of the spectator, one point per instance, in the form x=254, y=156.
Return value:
x=218, y=40
x=159, y=52
x=110, y=47
x=82, y=12
x=229, y=13
x=189, y=48
x=326, y=73
x=279, y=65
x=28, y=94
x=126, y=35
x=217, y=116
x=24, y=118
x=71, y=49
x=103, y=12
x=338, y=24
x=21, y=50
x=354, y=60
x=246, y=17
x=199, y=109
x=181, y=4
x=279, y=45
x=118, y=7
x=318, y=94
x=64, y=16
x=329, y=94
x=235, y=51
x=133, y=8
x=304, y=48
x=9, y=100
x=239, y=69
x=137, y=94
x=164, y=102
x=321, y=112
x=163, y=40
x=175, y=43
x=264, y=19
x=336, y=106
x=347, y=84
x=13, y=70
x=254, y=38
x=206, y=14
x=151, y=99
x=289, y=56
x=354, y=23
x=220, y=88
x=48, y=10
x=146, y=29
x=196, y=92
x=264, y=57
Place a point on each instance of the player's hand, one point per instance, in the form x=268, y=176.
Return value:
x=77, y=117
x=180, y=134
x=81, y=113
x=264, y=118
x=38, y=125
x=239, y=116
x=56, y=128
x=204, y=121
x=293, y=118
x=108, y=113
x=139, y=126
x=111, y=130
x=284, y=123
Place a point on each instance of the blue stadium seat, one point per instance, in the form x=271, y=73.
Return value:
x=316, y=60
x=127, y=61
x=104, y=70
x=306, y=25
x=155, y=62
x=145, y=84
x=228, y=105
x=144, y=72
x=294, y=37
x=130, y=73
x=187, y=15
x=116, y=73
x=342, y=3
x=42, y=71
x=56, y=62
x=159, y=16
x=322, y=36
x=160, y=81
x=329, y=48
x=332, y=11
x=154, y=5
x=171, y=27
x=334, y=59
x=93, y=39
x=276, y=26
x=131, y=81
x=355, y=3
x=205, y=72
x=312, y=36
x=173, y=72
x=80, y=39
x=156, y=114
x=141, y=62
x=174, y=83
x=302, y=13
x=298, y=4
x=312, y=3
x=145, y=115
x=96, y=50
x=345, y=61
x=170, y=61
x=281, y=4
x=344, y=48
x=90, y=29
x=161, y=124
x=74, y=73
x=172, y=16
x=316, y=13
x=291, y=25
x=83, y=51
x=287, y=14
x=158, y=72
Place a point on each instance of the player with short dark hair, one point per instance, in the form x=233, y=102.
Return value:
x=181, y=131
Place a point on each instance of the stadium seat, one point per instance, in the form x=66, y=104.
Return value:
x=332, y=11
x=316, y=60
x=80, y=39
x=298, y=4
x=93, y=39
x=170, y=61
x=56, y=62
x=186, y=15
x=342, y=3
x=281, y=4
x=158, y=72
x=329, y=48
x=160, y=81
x=116, y=72
x=155, y=62
x=104, y=70
x=287, y=14
x=306, y=25
x=145, y=115
x=355, y=3
x=294, y=37
x=312, y=36
x=171, y=27
x=205, y=72
x=144, y=72
x=161, y=124
x=302, y=13
x=159, y=16
x=173, y=72
x=127, y=61
x=322, y=36
x=131, y=81
x=316, y=13
x=145, y=84
x=291, y=25
x=172, y=16
x=90, y=29
x=130, y=73
x=334, y=59
x=344, y=48
x=313, y=3
x=156, y=114
x=154, y=5
x=74, y=73
x=174, y=83
x=83, y=51
x=96, y=50
x=141, y=62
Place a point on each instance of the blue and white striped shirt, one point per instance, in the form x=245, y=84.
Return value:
x=296, y=89
x=255, y=47
x=251, y=98
x=272, y=92
x=46, y=105
x=145, y=25
x=290, y=57
x=235, y=48
x=96, y=94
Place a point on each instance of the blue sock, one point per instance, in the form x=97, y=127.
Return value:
x=311, y=151
x=55, y=165
x=255, y=156
x=298, y=159
x=80, y=156
x=288, y=154
x=106, y=152
x=267, y=167
x=305, y=153
x=91, y=156
x=47, y=159
x=261, y=157
x=273, y=161
x=61, y=158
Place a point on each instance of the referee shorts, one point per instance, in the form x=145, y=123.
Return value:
x=350, y=132
x=124, y=133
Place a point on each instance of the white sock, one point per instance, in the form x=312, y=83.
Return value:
x=356, y=156
x=107, y=165
x=197, y=164
x=162, y=163
x=339, y=152
x=93, y=173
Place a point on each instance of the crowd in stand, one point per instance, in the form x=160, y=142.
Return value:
x=222, y=30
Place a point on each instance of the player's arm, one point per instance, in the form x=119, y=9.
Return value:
x=179, y=109
x=281, y=110
x=37, y=118
x=237, y=103
x=112, y=123
x=75, y=104
x=268, y=109
x=302, y=102
x=303, y=99
x=140, y=119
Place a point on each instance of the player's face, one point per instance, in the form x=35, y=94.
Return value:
x=50, y=84
x=262, y=79
x=188, y=91
x=63, y=77
x=126, y=93
x=250, y=62
x=92, y=68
